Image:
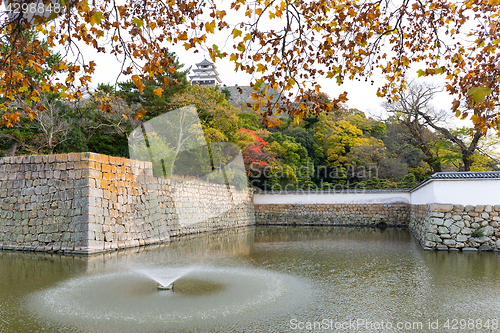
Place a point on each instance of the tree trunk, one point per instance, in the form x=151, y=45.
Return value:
x=467, y=159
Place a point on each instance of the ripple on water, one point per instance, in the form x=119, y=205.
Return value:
x=126, y=298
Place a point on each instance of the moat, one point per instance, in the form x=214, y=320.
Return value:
x=269, y=279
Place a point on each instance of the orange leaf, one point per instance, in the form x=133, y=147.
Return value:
x=140, y=114
x=158, y=91
x=137, y=80
x=210, y=27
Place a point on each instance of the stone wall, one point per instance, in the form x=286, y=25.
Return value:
x=454, y=227
x=86, y=202
x=127, y=205
x=204, y=207
x=332, y=214
x=42, y=202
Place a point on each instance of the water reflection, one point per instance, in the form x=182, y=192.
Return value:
x=253, y=279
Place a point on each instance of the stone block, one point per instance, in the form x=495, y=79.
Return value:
x=95, y=245
x=479, y=208
x=449, y=242
x=462, y=238
x=480, y=240
x=437, y=221
x=95, y=192
x=454, y=229
x=447, y=223
x=466, y=231
x=441, y=208
x=469, y=249
x=443, y=230
x=435, y=238
x=108, y=237
x=106, y=168
x=487, y=231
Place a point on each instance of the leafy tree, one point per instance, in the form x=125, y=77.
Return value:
x=102, y=122
x=291, y=165
x=282, y=43
x=409, y=181
x=206, y=100
x=53, y=124
x=249, y=121
x=336, y=138
x=414, y=110
x=255, y=156
x=212, y=107
x=396, y=140
x=369, y=126
x=225, y=91
x=306, y=139
x=156, y=93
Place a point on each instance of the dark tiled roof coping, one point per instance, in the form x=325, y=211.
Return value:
x=459, y=175
x=389, y=190
x=465, y=175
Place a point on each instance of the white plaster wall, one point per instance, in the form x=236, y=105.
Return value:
x=449, y=191
x=332, y=198
x=424, y=194
x=468, y=192
x=459, y=192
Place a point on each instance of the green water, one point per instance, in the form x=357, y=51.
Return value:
x=264, y=279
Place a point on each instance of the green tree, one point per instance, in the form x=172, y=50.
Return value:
x=291, y=167
x=414, y=110
x=336, y=138
x=156, y=93
x=212, y=107
x=249, y=121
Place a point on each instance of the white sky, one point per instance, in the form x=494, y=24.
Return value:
x=361, y=94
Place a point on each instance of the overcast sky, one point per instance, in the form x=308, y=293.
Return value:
x=361, y=94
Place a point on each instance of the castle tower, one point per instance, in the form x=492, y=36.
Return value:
x=205, y=74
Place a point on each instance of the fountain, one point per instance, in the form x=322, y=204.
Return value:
x=165, y=277
x=129, y=299
x=167, y=287
x=257, y=279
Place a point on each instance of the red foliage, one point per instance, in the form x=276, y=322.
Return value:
x=255, y=156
